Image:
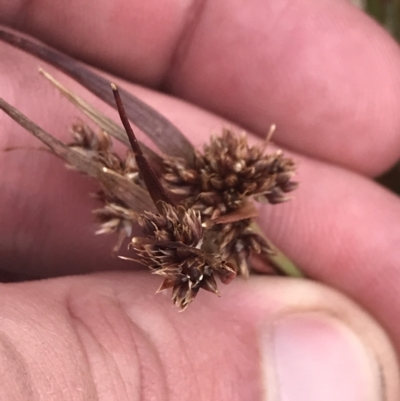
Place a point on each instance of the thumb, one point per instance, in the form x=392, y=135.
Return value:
x=109, y=337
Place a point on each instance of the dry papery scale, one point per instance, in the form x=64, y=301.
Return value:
x=195, y=208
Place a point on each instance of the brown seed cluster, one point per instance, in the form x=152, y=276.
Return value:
x=227, y=172
x=99, y=147
x=114, y=216
x=217, y=182
x=238, y=241
x=173, y=238
x=171, y=248
x=221, y=179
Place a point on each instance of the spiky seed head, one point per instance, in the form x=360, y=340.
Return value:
x=227, y=172
x=171, y=248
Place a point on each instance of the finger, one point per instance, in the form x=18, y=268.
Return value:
x=311, y=67
x=325, y=73
x=343, y=230
x=110, y=337
x=331, y=229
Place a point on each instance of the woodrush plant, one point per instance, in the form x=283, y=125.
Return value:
x=195, y=208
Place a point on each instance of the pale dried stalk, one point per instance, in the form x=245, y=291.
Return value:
x=131, y=194
x=98, y=117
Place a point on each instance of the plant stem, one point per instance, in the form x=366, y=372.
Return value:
x=278, y=259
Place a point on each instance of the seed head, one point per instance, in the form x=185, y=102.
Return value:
x=227, y=172
x=172, y=248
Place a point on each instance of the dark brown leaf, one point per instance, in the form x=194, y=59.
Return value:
x=162, y=132
x=153, y=184
x=100, y=119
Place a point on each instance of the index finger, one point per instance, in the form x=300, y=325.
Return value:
x=325, y=73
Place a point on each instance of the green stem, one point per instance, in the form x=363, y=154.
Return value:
x=284, y=264
x=278, y=259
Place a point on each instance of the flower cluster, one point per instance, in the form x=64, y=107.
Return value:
x=204, y=227
x=171, y=248
x=114, y=215
x=227, y=172
x=221, y=179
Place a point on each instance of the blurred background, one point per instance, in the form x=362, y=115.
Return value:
x=386, y=12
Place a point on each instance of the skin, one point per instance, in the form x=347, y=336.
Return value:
x=328, y=77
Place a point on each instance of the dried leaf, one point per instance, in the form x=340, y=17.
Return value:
x=153, y=184
x=162, y=132
x=100, y=119
x=131, y=194
x=247, y=211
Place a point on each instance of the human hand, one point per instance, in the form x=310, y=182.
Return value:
x=305, y=66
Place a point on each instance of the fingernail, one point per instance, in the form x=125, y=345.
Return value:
x=316, y=357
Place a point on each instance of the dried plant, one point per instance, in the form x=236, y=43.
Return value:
x=195, y=208
x=114, y=216
x=222, y=179
x=172, y=248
